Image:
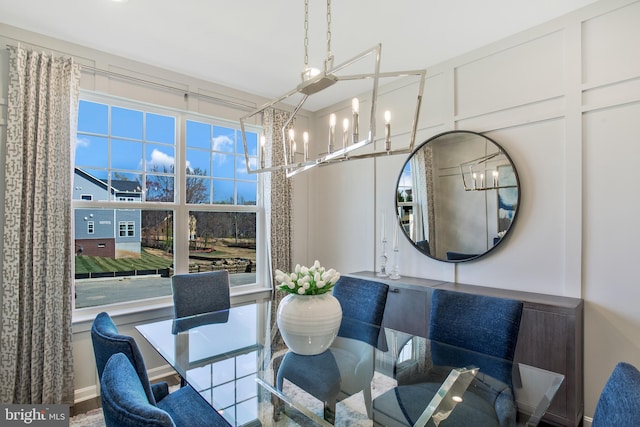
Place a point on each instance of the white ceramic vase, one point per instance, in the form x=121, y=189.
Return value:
x=309, y=323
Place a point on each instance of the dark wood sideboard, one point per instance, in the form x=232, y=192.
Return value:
x=551, y=332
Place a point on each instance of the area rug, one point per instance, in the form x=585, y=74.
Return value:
x=349, y=412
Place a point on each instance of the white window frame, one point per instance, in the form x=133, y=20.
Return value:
x=128, y=227
x=181, y=209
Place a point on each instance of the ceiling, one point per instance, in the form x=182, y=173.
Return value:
x=257, y=45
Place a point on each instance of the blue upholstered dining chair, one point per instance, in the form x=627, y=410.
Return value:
x=107, y=341
x=125, y=404
x=619, y=402
x=198, y=293
x=483, y=324
x=465, y=330
x=348, y=366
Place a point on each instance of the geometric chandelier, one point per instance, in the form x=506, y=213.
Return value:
x=346, y=134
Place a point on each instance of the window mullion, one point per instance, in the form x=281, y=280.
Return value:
x=181, y=222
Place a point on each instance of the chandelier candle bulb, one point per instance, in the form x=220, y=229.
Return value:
x=474, y=176
x=387, y=130
x=355, y=108
x=481, y=180
x=262, y=151
x=332, y=132
x=345, y=133
x=495, y=179
x=305, y=139
x=292, y=145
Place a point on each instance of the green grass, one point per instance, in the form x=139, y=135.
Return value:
x=147, y=261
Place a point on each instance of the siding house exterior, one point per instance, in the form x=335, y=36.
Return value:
x=112, y=233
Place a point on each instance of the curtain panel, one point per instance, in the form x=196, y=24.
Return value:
x=277, y=194
x=36, y=364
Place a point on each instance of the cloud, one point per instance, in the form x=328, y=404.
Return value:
x=160, y=160
x=223, y=143
x=83, y=142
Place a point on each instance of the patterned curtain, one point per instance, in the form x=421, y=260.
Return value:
x=277, y=195
x=278, y=211
x=36, y=364
x=422, y=163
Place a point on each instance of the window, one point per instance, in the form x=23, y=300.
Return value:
x=215, y=165
x=127, y=228
x=127, y=152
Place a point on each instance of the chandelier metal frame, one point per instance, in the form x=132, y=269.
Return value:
x=315, y=82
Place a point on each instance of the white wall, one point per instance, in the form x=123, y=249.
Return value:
x=563, y=99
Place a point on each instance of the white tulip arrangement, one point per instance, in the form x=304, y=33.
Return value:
x=314, y=280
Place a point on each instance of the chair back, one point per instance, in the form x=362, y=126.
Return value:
x=107, y=341
x=198, y=293
x=619, y=402
x=364, y=301
x=483, y=324
x=124, y=401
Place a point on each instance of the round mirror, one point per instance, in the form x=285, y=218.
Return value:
x=457, y=196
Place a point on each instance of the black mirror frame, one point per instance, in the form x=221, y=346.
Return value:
x=507, y=231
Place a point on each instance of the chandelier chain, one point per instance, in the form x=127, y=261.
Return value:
x=306, y=34
x=328, y=29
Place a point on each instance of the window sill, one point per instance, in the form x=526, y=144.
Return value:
x=154, y=308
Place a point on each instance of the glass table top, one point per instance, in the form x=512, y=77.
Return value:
x=235, y=359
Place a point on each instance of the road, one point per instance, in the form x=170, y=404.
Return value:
x=92, y=292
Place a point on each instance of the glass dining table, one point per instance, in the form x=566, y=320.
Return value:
x=237, y=361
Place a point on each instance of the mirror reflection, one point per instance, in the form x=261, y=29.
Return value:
x=457, y=196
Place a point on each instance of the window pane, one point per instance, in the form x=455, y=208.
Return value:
x=223, y=165
x=198, y=135
x=126, y=154
x=224, y=241
x=126, y=123
x=90, y=184
x=93, y=117
x=224, y=139
x=241, y=170
x=198, y=190
x=223, y=192
x=92, y=151
x=160, y=158
x=159, y=188
x=160, y=128
x=116, y=156
x=246, y=193
x=127, y=187
x=198, y=160
x=103, y=258
x=252, y=143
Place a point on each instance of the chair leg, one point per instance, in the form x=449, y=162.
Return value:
x=366, y=392
x=330, y=412
x=278, y=407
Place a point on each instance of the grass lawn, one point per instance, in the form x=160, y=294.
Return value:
x=152, y=259
x=149, y=260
